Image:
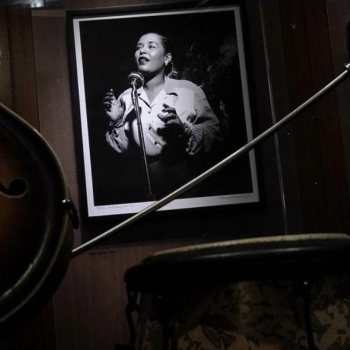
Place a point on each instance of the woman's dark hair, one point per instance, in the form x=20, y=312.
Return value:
x=169, y=48
x=166, y=42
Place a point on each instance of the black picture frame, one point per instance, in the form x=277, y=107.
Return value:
x=209, y=51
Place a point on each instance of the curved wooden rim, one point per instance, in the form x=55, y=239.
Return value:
x=31, y=282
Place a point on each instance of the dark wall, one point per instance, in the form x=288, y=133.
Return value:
x=294, y=48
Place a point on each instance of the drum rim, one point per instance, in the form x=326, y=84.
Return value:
x=28, y=285
x=268, y=260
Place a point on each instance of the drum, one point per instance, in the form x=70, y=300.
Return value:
x=284, y=292
x=36, y=221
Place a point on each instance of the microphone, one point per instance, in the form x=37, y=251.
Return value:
x=136, y=79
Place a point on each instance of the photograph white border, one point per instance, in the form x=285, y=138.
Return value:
x=94, y=210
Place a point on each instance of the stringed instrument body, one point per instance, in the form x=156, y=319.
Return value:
x=35, y=220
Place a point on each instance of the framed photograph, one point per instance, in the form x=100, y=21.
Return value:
x=159, y=97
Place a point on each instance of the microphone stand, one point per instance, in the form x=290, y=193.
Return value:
x=246, y=148
x=135, y=102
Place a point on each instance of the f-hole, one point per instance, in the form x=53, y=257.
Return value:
x=17, y=188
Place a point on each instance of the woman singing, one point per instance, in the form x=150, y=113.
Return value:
x=180, y=129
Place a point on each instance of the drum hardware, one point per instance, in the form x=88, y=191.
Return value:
x=69, y=205
x=131, y=307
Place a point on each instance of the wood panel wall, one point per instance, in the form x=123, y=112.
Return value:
x=5, y=65
x=309, y=65
x=295, y=47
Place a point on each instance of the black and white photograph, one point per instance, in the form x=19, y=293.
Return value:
x=160, y=97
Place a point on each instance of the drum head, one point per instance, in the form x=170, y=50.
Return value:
x=35, y=236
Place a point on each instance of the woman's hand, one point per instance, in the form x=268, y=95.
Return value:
x=114, y=108
x=171, y=120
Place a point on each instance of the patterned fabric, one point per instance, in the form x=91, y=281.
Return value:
x=248, y=315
